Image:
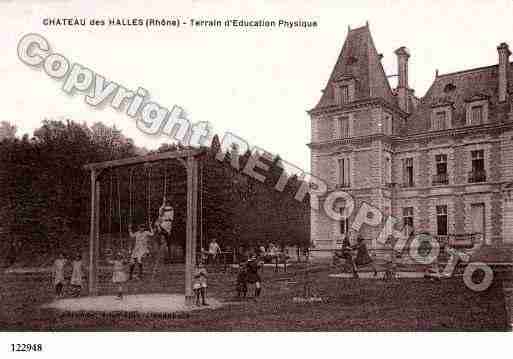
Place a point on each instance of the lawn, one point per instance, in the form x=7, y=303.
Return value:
x=347, y=305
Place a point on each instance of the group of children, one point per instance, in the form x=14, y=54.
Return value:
x=362, y=257
x=119, y=265
x=248, y=274
x=59, y=275
x=357, y=255
x=142, y=238
x=141, y=249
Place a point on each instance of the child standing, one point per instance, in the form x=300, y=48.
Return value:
x=58, y=275
x=242, y=283
x=119, y=276
x=200, y=284
x=213, y=251
x=252, y=275
x=76, y=276
x=140, y=250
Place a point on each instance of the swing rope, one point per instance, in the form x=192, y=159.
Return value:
x=148, y=196
x=201, y=205
x=165, y=182
x=130, y=195
x=158, y=258
x=111, y=211
x=121, y=243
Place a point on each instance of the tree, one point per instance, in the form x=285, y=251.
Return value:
x=7, y=131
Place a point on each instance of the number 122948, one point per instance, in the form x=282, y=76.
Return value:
x=26, y=347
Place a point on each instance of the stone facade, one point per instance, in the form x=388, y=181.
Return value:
x=462, y=159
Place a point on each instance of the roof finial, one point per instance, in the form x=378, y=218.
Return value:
x=348, y=28
x=436, y=73
x=367, y=23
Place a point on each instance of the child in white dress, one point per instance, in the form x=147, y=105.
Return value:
x=119, y=276
x=140, y=250
x=58, y=275
x=200, y=284
x=76, y=276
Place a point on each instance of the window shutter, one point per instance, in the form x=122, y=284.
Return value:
x=405, y=173
x=348, y=171
x=340, y=163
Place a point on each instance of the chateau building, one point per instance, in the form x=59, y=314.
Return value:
x=441, y=164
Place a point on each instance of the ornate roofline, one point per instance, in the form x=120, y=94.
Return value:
x=467, y=130
x=469, y=71
x=428, y=135
x=372, y=102
x=349, y=141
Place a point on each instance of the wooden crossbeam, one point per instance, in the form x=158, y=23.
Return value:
x=179, y=155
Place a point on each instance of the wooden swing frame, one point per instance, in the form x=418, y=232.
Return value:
x=189, y=159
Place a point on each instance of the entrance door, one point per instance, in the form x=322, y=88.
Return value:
x=478, y=219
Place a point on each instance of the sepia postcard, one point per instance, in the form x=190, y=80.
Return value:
x=325, y=168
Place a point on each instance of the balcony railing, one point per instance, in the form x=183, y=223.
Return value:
x=441, y=178
x=343, y=185
x=408, y=184
x=476, y=176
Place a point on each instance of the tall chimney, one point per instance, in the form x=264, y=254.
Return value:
x=403, y=89
x=504, y=53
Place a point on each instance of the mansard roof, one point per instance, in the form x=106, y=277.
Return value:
x=359, y=60
x=456, y=90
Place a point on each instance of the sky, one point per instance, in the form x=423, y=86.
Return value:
x=256, y=83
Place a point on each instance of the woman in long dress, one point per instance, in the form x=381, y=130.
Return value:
x=363, y=257
x=58, y=275
x=76, y=275
x=252, y=275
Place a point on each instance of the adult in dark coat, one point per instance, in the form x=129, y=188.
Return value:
x=242, y=282
x=347, y=254
x=252, y=275
x=362, y=255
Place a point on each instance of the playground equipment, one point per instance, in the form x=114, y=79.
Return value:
x=189, y=159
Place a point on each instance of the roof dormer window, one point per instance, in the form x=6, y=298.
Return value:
x=476, y=115
x=439, y=121
x=344, y=89
x=477, y=110
x=441, y=116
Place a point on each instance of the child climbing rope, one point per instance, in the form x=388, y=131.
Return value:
x=140, y=250
x=164, y=223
